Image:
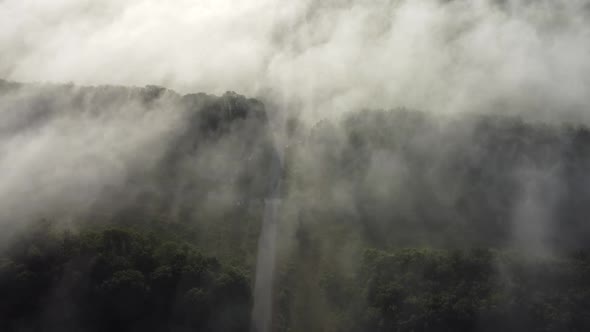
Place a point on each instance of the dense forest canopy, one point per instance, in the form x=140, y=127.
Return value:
x=140, y=208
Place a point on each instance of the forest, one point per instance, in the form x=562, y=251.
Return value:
x=140, y=209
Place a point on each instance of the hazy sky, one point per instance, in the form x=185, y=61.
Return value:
x=323, y=55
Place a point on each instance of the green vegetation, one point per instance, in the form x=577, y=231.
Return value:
x=434, y=290
x=128, y=280
x=118, y=280
x=380, y=212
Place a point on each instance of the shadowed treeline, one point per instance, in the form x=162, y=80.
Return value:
x=396, y=220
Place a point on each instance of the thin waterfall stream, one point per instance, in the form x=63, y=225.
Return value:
x=265, y=261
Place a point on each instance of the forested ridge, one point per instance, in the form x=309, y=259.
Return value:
x=391, y=220
x=118, y=280
x=127, y=280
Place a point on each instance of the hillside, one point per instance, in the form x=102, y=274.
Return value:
x=128, y=208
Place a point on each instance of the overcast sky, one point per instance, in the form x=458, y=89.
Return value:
x=326, y=56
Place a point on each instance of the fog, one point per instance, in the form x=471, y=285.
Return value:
x=58, y=158
x=441, y=124
x=326, y=56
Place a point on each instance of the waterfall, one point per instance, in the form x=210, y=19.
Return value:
x=265, y=261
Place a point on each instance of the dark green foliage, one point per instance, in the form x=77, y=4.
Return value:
x=118, y=280
x=445, y=290
x=389, y=180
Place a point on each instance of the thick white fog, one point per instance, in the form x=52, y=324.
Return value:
x=325, y=56
x=57, y=158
